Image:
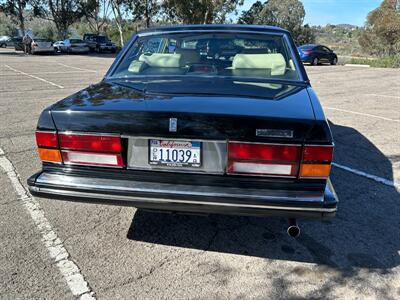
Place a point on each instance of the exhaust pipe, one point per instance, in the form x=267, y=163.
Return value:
x=293, y=230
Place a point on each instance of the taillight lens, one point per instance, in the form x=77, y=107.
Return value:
x=307, y=51
x=263, y=159
x=47, y=143
x=316, y=161
x=91, y=149
x=46, y=139
x=80, y=149
x=97, y=143
x=92, y=158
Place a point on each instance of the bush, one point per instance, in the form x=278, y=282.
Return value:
x=392, y=61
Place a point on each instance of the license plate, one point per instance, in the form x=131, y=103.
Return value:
x=173, y=153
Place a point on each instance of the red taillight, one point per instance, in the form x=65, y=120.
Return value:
x=263, y=159
x=307, y=51
x=97, y=143
x=263, y=152
x=318, y=153
x=316, y=161
x=46, y=139
x=80, y=149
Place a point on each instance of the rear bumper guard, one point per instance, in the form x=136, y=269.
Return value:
x=187, y=198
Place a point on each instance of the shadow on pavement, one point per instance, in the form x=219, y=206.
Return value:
x=363, y=234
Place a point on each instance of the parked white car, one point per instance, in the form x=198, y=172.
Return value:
x=57, y=46
x=74, y=46
x=42, y=46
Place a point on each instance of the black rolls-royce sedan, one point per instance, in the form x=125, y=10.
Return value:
x=203, y=119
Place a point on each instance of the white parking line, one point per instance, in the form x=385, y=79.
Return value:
x=69, y=270
x=377, y=95
x=362, y=114
x=369, y=176
x=33, y=76
x=81, y=69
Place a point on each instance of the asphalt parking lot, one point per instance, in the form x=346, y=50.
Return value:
x=112, y=252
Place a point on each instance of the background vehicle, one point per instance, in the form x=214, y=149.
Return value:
x=74, y=46
x=99, y=43
x=57, y=46
x=238, y=126
x=315, y=54
x=16, y=42
x=40, y=45
x=5, y=41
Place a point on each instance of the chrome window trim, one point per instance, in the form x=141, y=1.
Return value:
x=266, y=32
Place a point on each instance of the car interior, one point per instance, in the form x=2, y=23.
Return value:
x=208, y=55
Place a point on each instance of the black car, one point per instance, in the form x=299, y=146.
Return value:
x=99, y=43
x=174, y=127
x=316, y=54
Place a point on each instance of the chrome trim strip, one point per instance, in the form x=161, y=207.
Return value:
x=68, y=132
x=261, y=143
x=296, y=62
x=64, y=181
x=172, y=138
x=163, y=200
x=211, y=30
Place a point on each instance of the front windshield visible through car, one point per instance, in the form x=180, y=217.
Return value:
x=213, y=54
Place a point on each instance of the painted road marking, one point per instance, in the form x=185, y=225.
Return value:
x=377, y=95
x=33, y=76
x=369, y=176
x=81, y=69
x=362, y=114
x=69, y=270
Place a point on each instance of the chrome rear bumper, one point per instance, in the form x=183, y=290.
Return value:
x=184, y=197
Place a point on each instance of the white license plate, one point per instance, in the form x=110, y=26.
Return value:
x=173, y=153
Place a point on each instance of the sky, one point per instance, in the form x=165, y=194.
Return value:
x=322, y=12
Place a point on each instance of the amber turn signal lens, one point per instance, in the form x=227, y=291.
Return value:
x=315, y=170
x=50, y=155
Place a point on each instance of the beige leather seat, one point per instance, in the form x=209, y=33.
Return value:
x=273, y=62
x=163, y=60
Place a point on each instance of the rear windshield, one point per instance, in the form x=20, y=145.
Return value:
x=264, y=56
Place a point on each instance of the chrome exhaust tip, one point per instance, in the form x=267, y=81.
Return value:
x=293, y=229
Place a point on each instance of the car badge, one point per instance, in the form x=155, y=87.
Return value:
x=173, y=124
x=279, y=133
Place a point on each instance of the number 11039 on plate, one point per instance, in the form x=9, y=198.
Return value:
x=174, y=153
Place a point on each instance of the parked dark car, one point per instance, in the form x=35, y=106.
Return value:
x=316, y=54
x=17, y=43
x=173, y=127
x=99, y=43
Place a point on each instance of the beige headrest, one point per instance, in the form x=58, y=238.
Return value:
x=163, y=60
x=274, y=61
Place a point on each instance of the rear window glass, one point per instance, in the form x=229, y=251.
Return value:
x=209, y=54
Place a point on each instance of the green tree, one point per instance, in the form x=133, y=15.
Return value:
x=288, y=14
x=16, y=9
x=251, y=16
x=62, y=12
x=199, y=11
x=96, y=13
x=382, y=30
x=144, y=9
